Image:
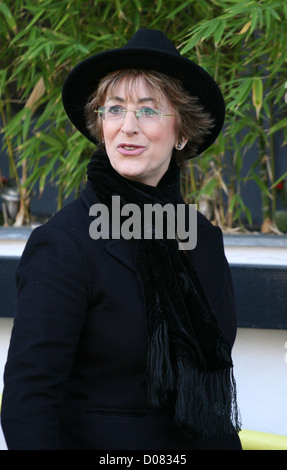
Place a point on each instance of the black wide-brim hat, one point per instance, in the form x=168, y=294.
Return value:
x=150, y=50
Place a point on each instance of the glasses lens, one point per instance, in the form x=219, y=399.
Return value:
x=110, y=113
x=116, y=112
x=149, y=114
x=101, y=112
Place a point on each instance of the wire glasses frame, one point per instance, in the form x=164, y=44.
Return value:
x=145, y=114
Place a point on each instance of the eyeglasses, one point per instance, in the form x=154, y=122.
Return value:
x=145, y=114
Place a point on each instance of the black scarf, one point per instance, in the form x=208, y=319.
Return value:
x=189, y=365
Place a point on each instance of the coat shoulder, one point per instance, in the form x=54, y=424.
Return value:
x=69, y=224
x=73, y=215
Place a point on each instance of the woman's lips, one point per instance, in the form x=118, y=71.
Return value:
x=130, y=149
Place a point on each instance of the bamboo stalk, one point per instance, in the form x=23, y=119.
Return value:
x=24, y=211
x=272, y=159
x=263, y=173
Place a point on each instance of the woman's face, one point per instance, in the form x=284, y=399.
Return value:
x=139, y=150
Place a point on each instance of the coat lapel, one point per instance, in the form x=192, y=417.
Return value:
x=123, y=251
x=120, y=249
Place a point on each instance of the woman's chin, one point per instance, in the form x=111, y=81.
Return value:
x=132, y=173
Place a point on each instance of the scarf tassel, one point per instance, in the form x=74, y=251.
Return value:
x=206, y=401
x=162, y=382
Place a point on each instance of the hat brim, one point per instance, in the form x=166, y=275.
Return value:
x=84, y=79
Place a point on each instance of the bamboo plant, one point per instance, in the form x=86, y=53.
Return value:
x=241, y=43
x=246, y=41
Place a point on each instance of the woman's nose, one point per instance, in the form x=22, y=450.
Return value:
x=130, y=124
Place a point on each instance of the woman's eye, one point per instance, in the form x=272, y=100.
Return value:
x=115, y=110
x=148, y=112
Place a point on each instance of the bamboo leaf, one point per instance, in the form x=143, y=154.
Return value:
x=237, y=200
x=26, y=124
x=282, y=124
x=6, y=12
x=62, y=21
x=274, y=14
x=208, y=188
x=245, y=28
x=241, y=93
x=81, y=48
x=138, y=5
x=36, y=51
x=48, y=167
x=51, y=141
x=260, y=183
x=37, y=93
x=219, y=32
x=209, y=29
x=14, y=125
x=282, y=177
x=158, y=6
x=27, y=28
x=267, y=19
x=254, y=19
x=257, y=95
x=195, y=39
x=173, y=13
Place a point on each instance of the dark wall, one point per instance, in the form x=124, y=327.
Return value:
x=261, y=296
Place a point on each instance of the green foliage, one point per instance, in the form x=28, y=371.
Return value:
x=280, y=216
x=280, y=219
x=241, y=43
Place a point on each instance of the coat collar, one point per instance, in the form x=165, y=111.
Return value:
x=123, y=251
x=120, y=249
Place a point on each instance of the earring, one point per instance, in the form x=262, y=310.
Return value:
x=178, y=146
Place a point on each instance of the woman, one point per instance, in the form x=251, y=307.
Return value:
x=125, y=342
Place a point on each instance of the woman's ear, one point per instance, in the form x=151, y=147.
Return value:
x=180, y=145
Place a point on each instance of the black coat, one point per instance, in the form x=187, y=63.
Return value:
x=75, y=377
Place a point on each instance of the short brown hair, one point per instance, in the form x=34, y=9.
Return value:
x=192, y=121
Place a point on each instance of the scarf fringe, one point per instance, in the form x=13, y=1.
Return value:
x=206, y=401
x=162, y=381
